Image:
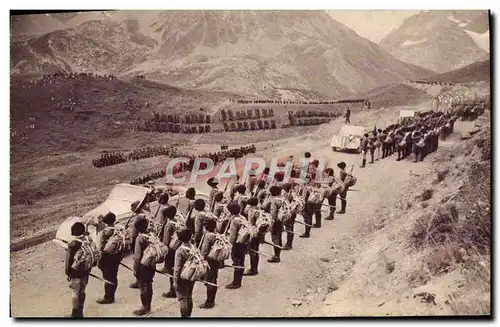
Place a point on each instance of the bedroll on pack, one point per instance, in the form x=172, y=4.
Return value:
x=178, y=226
x=315, y=196
x=195, y=268
x=221, y=250
x=263, y=223
x=285, y=212
x=244, y=232
x=87, y=256
x=155, y=252
x=350, y=180
x=117, y=243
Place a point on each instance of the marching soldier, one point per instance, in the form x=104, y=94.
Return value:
x=277, y=227
x=212, y=182
x=364, y=149
x=109, y=262
x=343, y=194
x=239, y=246
x=167, y=237
x=199, y=218
x=255, y=240
x=213, y=272
x=190, y=194
x=144, y=274
x=78, y=280
x=331, y=195
x=183, y=288
x=290, y=223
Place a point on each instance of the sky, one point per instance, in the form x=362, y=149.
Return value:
x=373, y=25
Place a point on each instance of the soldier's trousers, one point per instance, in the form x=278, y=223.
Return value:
x=109, y=264
x=238, y=255
x=309, y=210
x=145, y=277
x=332, y=202
x=408, y=149
x=169, y=266
x=254, y=244
x=288, y=226
x=317, y=214
x=372, y=153
x=78, y=285
x=184, y=292
x=276, y=234
x=212, y=275
x=343, y=200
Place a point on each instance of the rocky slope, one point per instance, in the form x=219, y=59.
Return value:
x=440, y=40
x=256, y=52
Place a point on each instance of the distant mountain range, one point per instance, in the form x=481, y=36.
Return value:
x=441, y=40
x=251, y=52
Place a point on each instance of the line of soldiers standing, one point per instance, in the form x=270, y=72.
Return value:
x=233, y=223
x=419, y=136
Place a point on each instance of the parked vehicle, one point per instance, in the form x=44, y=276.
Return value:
x=348, y=139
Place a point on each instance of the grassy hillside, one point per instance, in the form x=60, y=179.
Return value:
x=475, y=72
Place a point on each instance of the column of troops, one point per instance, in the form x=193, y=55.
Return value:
x=416, y=136
x=314, y=117
x=228, y=115
x=216, y=157
x=151, y=151
x=295, y=102
x=178, y=123
x=433, y=82
x=190, y=245
x=108, y=159
x=252, y=125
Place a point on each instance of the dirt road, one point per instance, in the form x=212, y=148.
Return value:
x=39, y=287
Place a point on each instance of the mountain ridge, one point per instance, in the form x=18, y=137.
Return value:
x=236, y=51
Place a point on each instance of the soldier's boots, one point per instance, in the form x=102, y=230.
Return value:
x=142, y=311
x=251, y=272
x=171, y=293
x=274, y=259
x=210, y=302
x=363, y=164
x=75, y=313
x=330, y=216
x=105, y=301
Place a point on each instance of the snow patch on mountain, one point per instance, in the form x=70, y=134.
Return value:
x=411, y=42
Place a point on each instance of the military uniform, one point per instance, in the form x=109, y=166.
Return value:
x=144, y=274
x=78, y=280
x=109, y=264
x=254, y=244
x=169, y=239
x=213, y=273
x=183, y=288
x=277, y=227
x=238, y=251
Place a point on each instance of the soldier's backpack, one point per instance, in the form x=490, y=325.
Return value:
x=117, y=242
x=263, y=222
x=285, y=212
x=350, y=180
x=87, y=256
x=315, y=196
x=337, y=187
x=155, y=252
x=221, y=250
x=196, y=267
x=178, y=226
x=244, y=231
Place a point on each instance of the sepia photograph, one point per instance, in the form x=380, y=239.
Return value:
x=250, y=163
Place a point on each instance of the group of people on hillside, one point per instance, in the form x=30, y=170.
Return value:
x=192, y=245
x=418, y=136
